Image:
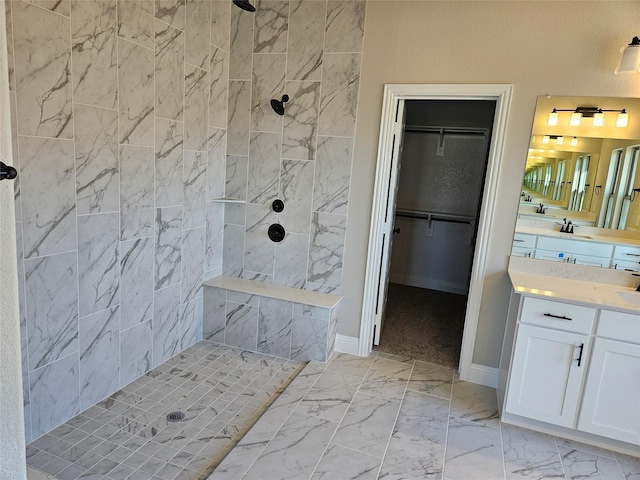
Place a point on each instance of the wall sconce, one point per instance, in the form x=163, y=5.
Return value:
x=629, y=61
x=574, y=142
x=597, y=189
x=634, y=194
x=589, y=112
x=558, y=138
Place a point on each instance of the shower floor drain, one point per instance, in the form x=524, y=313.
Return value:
x=175, y=416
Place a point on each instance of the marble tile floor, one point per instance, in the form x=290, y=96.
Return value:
x=391, y=418
x=221, y=390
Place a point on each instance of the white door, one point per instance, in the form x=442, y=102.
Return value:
x=387, y=226
x=611, y=401
x=546, y=375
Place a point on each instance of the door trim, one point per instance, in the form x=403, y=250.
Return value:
x=392, y=95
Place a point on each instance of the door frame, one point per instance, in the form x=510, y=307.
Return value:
x=393, y=93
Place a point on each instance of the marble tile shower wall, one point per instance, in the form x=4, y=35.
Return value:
x=119, y=112
x=311, y=51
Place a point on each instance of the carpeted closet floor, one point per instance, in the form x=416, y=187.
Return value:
x=423, y=324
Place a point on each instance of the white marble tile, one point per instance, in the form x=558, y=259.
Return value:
x=387, y=379
x=301, y=121
x=15, y=157
x=264, y=167
x=136, y=192
x=94, y=52
x=259, y=277
x=410, y=458
x=267, y=83
x=235, y=213
x=245, y=452
x=169, y=163
x=58, y=6
x=259, y=250
x=350, y=364
x=326, y=248
x=220, y=24
x=195, y=189
x=99, y=343
x=473, y=451
x=343, y=463
x=52, y=312
x=168, y=242
x=215, y=237
x=190, y=323
x=296, y=190
x=578, y=465
x=367, y=425
x=57, y=380
x=10, y=55
x=26, y=403
x=630, y=466
x=474, y=402
x=340, y=80
x=171, y=12
x=196, y=101
x=309, y=339
x=47, y=189
x=21, y=287
x=192, y=263
x=169, y=75
x=233, y=256
x=291, y=267
x=198, y=33
x=345, y=26
x=236, y=177
x=423, y=418
x=529, y=454
x=584, y=447
x=98, y=262
x=135, y=87
x=333, y=175
x=216, y=165
x=166, y=327
x=214, y=316
x=303, y=439
x=136, y=345
x=271, y=27
x=241, y=47
x=96, y=154
x=135, y=21
x=136, y=282
x=312, y=311
x=219, y=87
x=42, y=71
x=306, y=37
x=239, y=117
x=432, y=379
x=242, y=326
x=274, y=327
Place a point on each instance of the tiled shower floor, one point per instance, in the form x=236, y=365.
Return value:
x=220, y=389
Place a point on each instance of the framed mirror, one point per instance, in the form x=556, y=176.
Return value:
x=581, y=186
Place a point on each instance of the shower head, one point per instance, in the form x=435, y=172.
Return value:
x=278, y=105
x=244, y=5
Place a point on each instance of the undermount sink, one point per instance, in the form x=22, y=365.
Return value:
x=629, y=296
x=577, y=235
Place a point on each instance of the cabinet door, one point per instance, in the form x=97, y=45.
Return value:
x=554, y=256
x=611, y=400
x=590, y=260
x=545, y=376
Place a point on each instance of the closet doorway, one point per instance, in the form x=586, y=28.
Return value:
x=378, y=269
x=441, y=170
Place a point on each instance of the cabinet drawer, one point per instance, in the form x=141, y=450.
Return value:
x=521, y=252
x=575, y=246
x=619, y=326
x=627, y=252
x=563, y=316
x=524, y=240
x=625, y=265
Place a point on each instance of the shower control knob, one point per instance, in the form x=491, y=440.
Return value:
x=277, y=205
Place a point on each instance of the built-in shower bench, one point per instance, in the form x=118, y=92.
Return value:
x=271, y=319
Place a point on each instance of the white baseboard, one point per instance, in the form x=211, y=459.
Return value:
x=430, y=283
x=482, y=374
x=345, y=344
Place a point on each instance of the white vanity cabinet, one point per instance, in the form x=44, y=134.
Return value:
x=611, y=399
x=574, y=251
x=549, y=361
x=626, y=257
x=524, y=245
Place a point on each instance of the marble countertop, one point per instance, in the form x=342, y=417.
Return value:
x=595, y=287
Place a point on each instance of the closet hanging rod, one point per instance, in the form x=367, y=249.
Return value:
x=465, y=130
x=439, y=217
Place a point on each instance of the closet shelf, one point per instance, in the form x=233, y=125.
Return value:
x=436, y=216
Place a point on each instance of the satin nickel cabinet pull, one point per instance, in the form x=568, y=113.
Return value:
x=559, y=317
x=581, y=347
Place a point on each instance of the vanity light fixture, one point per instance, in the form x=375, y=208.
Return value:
x=589, y=112
x=545, y=139
x=629, y=61
x=559, y=140
x=574, y=142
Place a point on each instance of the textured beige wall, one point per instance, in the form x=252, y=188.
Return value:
x=12, y=454
x=557, y=48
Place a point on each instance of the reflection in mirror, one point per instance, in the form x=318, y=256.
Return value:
x=580, y=182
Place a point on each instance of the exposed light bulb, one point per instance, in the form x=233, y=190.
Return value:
x=545, y=139
x=574, y=142
x=623, y=119
x=559, y=140
x=575, y=119
x=552, y=121
x=598, y=119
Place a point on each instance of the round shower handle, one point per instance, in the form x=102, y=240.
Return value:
x=7, y=172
